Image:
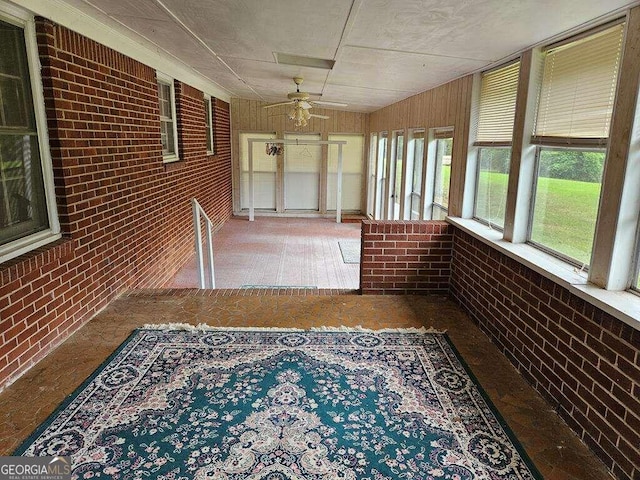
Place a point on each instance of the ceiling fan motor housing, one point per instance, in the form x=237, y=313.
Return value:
x=298, y=96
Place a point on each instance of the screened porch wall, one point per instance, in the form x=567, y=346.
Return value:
x=248, y=116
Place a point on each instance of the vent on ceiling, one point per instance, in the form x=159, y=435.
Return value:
x=297, y=60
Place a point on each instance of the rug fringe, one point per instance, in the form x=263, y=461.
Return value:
x=359, y=328
x=203, y=327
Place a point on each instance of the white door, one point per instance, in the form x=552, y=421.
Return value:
x=302, y=172
x=264, y=173
x=352, y=158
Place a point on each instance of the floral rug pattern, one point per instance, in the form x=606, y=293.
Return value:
x=282, y=405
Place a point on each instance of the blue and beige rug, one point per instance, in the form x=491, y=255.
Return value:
x=202, y=403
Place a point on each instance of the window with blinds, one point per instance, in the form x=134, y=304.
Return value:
x=578, y=89
x=498, y=92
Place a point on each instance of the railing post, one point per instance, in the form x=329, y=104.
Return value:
x=198, y=240
x=212, y=279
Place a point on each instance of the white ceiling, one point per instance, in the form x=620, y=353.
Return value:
x=385, y=50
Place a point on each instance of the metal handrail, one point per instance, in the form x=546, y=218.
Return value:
x=198, y=212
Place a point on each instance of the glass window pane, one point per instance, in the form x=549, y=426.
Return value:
x=207, y=119
x=171, y=146
x=13, y=104
x=395, y=176
x=11, y=44
x=491, y=192
x=418, y=157
x=22, y=196
x=566, y=201
x=416, y=181
x=164, y=96
x=16, y=108
x=443, y=172
x=438, y=213
x=166, y=135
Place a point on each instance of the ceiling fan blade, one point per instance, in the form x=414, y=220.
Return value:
x=278, y=104
x=331, y=104
x=318, y=116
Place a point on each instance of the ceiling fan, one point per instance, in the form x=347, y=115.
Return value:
x=299, y=113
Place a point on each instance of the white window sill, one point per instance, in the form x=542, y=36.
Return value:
x=26, y=244
x=623, y=305
x=170, y=159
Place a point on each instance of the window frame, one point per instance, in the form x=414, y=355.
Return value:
x=371, y=174
x=381, y=175
x=20, y=246
x=208, y=106
x=476, y=144
x=392, y=174
x=163, y=79
x=634, y=282
x=568, y=142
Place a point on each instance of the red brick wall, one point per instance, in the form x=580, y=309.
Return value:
x=405, y=257
x=585, y=362
x=125, y=216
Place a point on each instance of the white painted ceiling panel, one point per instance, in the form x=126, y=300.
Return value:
x=385, y=50
x=476, y=29
x=362, y=99
x=383, y=69
x=254, y=29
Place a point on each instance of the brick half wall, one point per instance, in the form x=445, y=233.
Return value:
x=125, y=215
x=405, y=257
x=585, y=362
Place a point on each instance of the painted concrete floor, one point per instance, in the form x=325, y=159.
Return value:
x=554, y=449
x=300, y=252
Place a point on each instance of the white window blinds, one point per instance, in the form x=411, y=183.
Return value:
x=498, y=104
x=578, y=89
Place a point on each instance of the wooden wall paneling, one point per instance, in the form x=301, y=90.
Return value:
x=446, y=105
x=460, y=144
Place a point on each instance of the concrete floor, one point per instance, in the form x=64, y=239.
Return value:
x=554, y=449
x=278, y=252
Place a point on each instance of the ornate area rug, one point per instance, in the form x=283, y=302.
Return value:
x=257, y=404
